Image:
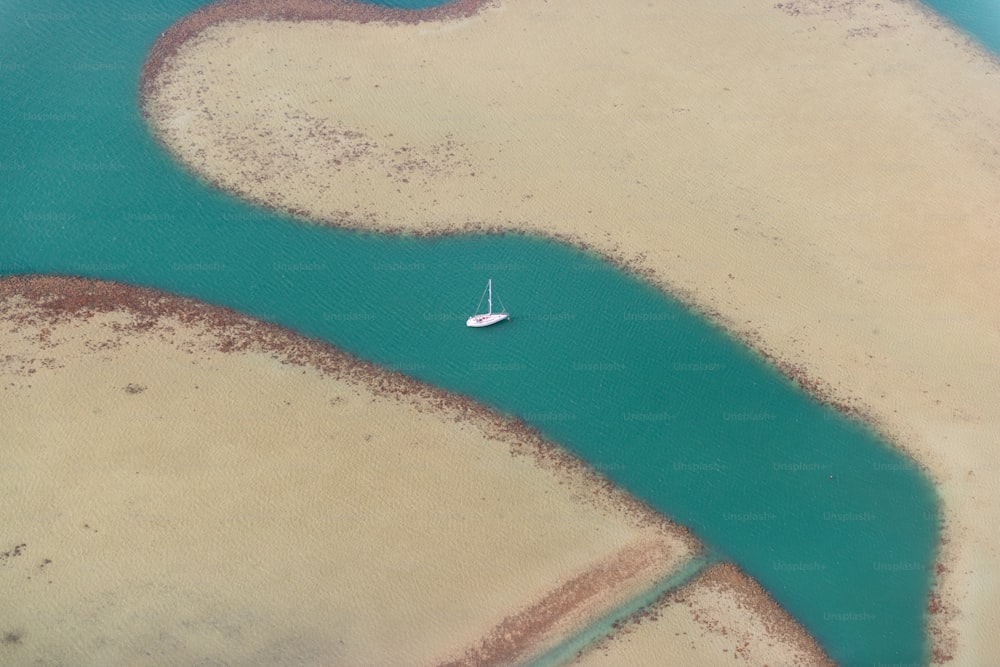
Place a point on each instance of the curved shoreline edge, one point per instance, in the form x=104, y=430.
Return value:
x=837, y=396
x=59, y=298
x=44, y=303
x=225, y=11
x=288, y=10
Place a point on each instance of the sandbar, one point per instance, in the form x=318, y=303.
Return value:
x=819, y=178
x=186, y=485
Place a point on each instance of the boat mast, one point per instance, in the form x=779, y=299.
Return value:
x=489, y=286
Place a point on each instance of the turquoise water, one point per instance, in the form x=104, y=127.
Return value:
x=838, y=527
x=978, y=18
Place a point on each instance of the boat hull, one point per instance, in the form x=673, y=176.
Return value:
x=486, y=320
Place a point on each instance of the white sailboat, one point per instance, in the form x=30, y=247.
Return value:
x=489, y=317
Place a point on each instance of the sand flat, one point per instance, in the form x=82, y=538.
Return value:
x=819, y=177
x=166, y=501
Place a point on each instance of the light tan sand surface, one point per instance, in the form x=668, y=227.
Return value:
x=819, y=177
x=163, y=501
x=721, y=617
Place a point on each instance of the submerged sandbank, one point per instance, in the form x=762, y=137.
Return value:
x=818, y=178
x=185, y=484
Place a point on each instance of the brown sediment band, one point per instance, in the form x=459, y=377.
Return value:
x=943, y=610
x=517, y=636
x=289, y=10
x=57, y=299
x=751, y=595
x=729, y=579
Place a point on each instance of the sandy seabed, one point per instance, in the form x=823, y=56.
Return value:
x=818, y=177
x=184, y=484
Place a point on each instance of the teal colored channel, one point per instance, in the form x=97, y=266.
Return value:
x=835, y=524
